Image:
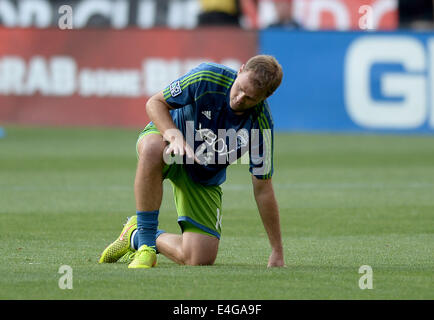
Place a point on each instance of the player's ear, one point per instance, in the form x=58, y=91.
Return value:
x=241, y=68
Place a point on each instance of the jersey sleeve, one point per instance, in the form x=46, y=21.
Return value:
x=205, y=78
x=262, y=145
x=183, y=90
x=188, y=88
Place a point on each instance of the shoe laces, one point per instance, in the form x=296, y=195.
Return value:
x=128, y=218
x=146, y=249
x=129, y=256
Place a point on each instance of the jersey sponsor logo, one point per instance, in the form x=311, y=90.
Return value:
x=226, y=147
x=175, y=89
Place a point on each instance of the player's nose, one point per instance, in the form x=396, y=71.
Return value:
x=240, y=98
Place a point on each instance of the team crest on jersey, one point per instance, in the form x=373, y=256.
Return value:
x=175, y=89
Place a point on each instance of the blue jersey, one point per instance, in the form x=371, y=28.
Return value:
x=217, y=135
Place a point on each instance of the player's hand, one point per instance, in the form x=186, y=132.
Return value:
x=177, y=145
x=276, y=259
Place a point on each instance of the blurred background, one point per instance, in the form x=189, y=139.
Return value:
x=349, y=65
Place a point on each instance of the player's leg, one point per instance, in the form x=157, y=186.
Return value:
x=148, y=183
x=190, y=248
x=199, y=217
x=199, y=249
x=148, y=191
x=170, y=245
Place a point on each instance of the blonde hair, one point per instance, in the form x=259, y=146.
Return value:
x=267, y=72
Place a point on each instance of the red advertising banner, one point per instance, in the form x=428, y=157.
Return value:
x=101, y=77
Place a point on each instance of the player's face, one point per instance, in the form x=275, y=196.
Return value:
x=243, y=94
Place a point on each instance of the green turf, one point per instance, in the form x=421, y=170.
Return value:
x=345, y=201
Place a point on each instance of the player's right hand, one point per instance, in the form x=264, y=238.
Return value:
x=177, y=145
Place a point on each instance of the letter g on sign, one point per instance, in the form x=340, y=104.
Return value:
x=411, y=110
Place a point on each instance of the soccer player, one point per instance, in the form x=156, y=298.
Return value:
x=201, y=123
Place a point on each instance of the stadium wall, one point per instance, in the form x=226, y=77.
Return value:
x=379, y=82
x=103, y=77
x=334, y=81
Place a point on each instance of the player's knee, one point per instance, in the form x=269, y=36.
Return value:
x=207, y=259
x=199, y=249
x=199, y=262
x=151, y=149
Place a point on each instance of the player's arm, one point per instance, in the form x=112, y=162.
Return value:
x=269, y=212
x=158, y=112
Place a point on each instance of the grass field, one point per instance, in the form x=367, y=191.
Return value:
x=345, y=201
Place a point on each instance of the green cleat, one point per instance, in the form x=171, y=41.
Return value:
x=120, y=246
x=144, y=258
x=128, y=257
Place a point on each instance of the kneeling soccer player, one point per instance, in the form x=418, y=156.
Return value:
x=206, y=119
